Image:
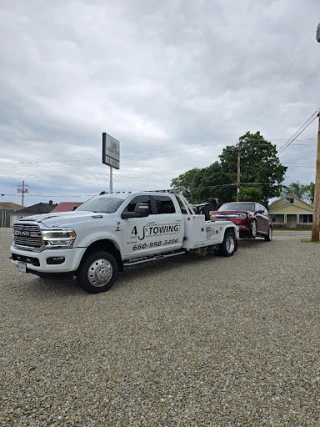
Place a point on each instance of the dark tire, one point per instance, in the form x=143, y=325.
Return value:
x=253, y=229
x=268, y=238
x=228, y=246
x=97, y=272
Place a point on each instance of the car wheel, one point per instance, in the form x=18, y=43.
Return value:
x=97, y=272
x=228, y=246
x=268, y=238
x=253, y=229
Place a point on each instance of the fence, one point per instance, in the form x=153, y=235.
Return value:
x=5, y=217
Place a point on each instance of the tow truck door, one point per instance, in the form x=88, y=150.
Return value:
x=168, y=229
x=155, y=233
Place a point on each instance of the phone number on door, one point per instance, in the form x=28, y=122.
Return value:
x=154, y=244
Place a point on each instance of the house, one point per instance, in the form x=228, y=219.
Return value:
x=6, y=210
x=66, y=206
x=291, y=212
x=38, y=208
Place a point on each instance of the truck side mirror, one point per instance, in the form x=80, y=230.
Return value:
x=140, y=211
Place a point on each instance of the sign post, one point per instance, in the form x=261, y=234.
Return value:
x=110, y=155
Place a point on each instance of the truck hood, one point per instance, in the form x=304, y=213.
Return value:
x=65, y=219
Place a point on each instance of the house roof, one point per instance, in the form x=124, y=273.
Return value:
x=66, y=206
x=297, y=204
x=38, y=208
x=10, y=205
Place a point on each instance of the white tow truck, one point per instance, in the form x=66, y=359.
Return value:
x=112, y=231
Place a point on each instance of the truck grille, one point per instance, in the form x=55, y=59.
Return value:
x=27, y=235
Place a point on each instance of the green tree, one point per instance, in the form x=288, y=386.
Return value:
x=261, y=173
x=311, y=192
x=187, y=182
x=302, y=191
x=261, y=170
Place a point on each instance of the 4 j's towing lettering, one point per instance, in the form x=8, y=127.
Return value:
x=156, y=230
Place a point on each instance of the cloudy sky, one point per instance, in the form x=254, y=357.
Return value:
x=174, y=81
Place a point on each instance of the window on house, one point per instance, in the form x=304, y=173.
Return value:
x=290, y=199
x=273, y=218
x=306, y=219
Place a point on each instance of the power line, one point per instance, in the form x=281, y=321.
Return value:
x=22, y=189
x=297, y=95
x=119, y=174
x=299, y=131
x=167, y=153
x=284, y=75
x=51, y=196
x=251, y=184
x=302, y=128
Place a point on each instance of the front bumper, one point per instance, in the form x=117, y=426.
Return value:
x=41, y=261
x=242, y=225
x=244, y=228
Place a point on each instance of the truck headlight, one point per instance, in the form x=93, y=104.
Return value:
x=54, y=238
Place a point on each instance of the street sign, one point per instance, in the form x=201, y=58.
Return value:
x=110, y=151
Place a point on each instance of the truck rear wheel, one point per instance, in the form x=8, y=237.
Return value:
x=97, y=272
x=228, y=246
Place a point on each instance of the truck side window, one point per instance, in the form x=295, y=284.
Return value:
x=139, y=199
x=183, y=209
x=164, y=205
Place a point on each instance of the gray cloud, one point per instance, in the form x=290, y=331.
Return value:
x=187, y=76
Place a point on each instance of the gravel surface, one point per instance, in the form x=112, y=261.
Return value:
x=199, y=341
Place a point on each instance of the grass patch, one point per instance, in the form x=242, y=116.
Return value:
x=308, y=241
x=292, y=229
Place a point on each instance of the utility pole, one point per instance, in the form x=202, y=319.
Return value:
x=22, y=188
x=316, y=201
x=238, y=172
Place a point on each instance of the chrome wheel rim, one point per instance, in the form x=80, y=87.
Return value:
x=254, y=229
x=230, y=244
x=270, y=233
x=100, y=272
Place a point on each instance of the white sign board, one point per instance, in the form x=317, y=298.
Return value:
x=111, y=162
x=110, y=151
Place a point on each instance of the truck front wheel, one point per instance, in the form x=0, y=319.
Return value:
x=97, y=272
x=228, y=246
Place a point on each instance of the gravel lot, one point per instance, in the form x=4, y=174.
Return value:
x=205, y=341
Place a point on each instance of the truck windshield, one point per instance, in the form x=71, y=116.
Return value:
x=237, y=207
x=103, y=204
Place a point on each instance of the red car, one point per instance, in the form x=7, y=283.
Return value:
x=252, y=218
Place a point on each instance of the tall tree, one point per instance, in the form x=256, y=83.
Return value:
x=188, y=183
x=261, y=169
x=261, y=173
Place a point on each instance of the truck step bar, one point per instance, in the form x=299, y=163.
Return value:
x=156, y=257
